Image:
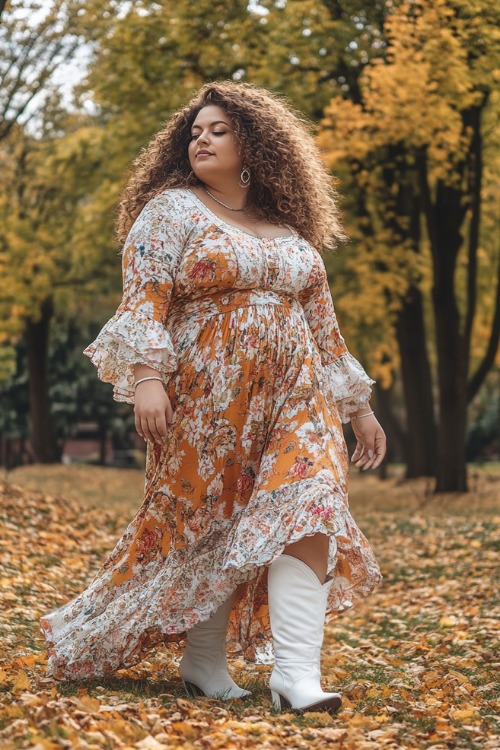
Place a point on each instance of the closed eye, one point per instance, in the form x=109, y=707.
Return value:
x=218, y=132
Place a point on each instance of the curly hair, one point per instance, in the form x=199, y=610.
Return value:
x=290, y=184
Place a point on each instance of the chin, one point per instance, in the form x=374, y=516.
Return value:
x=201, y=174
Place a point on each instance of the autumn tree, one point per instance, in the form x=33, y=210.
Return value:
x=51, y=254
x=414, y=145
x=35, y=43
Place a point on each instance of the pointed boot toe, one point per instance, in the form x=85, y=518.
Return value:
x=203, y=667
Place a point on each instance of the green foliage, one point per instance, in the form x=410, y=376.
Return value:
x=76, y=395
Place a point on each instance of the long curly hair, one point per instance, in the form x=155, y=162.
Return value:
x=289, y=182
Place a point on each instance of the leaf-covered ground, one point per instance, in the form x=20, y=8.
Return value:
x=415, y=661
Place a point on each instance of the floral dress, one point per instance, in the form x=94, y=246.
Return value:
x=243, y=332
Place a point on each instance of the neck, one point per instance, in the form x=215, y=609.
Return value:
x=233, y=195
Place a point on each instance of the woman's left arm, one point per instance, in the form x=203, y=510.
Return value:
x=345, y=377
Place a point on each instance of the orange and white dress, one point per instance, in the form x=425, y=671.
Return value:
x=244, y=334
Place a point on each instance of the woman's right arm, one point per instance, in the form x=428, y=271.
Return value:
x=153, y=410
x=136, y=340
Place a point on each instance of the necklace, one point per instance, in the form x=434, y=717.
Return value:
x=221, y=203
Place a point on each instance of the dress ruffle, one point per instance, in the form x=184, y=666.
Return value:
x=114, y=627
x=348, y=383
x=127, y=339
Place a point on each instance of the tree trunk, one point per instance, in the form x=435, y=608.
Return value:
x=410, y=333
x=444, y=219
x=42, y=436
x=420, y=444
x=451, y=475
x=396, y=437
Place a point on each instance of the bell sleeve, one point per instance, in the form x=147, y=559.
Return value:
x=137, y=333
x=344, y=377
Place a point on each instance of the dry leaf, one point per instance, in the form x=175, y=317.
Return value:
x=21, y=682
x=415, y=662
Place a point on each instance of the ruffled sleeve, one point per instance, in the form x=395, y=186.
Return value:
x=344, y=377
x=137, y=333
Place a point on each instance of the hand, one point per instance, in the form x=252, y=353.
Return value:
x=372, y=444
x=153, y=411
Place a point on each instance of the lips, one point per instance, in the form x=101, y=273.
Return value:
x=203, y=152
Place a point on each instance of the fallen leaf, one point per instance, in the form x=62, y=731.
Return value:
x=21, y=682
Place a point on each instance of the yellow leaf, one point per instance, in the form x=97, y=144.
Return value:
x=447, y=622
x=185, y=729
x=362, y=721
x=91, y=704
x=4, y=677
x=463, y=714
x=458, y=675
x=149, y=743
x=22, y=682
x=28, y=660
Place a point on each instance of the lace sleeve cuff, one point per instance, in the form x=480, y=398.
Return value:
x=349, y=385
x=130, y=338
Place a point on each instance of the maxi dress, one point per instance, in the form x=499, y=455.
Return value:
x=244, y=333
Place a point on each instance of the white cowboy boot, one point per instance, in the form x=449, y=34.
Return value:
x=297, y=608
x=203, y=667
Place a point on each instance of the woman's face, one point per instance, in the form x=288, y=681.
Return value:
x=213, y=147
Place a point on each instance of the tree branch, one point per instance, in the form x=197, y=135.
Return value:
x=479, y=376
x=472, y=118
x=429, y=209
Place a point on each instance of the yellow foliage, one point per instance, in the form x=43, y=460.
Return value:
x=54, y=229
x=440, y=60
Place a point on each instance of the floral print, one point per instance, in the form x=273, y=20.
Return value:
x=244, y=333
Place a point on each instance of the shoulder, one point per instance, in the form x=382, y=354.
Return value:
x=174, y=201
x=166, y=213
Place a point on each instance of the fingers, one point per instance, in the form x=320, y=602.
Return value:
x=367, y=459
x=370, y=456
x=148, y=425
x=364, y=456
x=153, y=416
x=148, y=430
x=154, y=428
x=358, y=452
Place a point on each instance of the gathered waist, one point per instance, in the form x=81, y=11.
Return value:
x=225, y=301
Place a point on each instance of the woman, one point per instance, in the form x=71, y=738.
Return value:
x=226, y=342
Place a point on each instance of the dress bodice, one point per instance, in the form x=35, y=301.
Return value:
x=218, y=256
x=182, y=262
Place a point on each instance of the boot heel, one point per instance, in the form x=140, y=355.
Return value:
x=279, y=701
x=192, y=690
x=276, y=699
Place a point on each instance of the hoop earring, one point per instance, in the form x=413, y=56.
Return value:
x=244, y=178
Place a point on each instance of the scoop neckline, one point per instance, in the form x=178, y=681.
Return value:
x=227, y=225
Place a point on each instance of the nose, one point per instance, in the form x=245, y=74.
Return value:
x=203, y=137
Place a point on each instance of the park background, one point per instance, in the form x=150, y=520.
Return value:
x=404, y=100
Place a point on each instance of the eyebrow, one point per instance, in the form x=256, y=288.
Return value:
x=215, y=122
